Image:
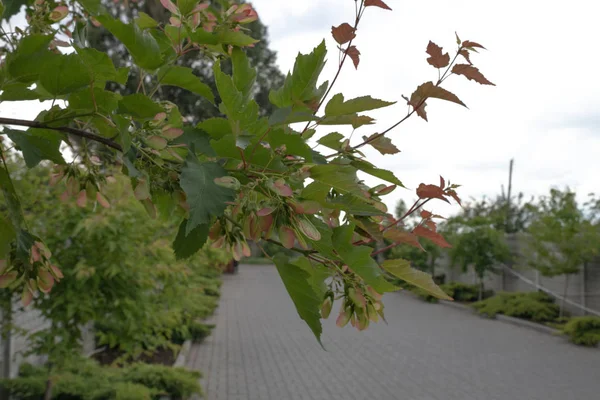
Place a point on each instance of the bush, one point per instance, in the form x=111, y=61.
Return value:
x=86, y=380
x=535, y=306
x=464, y=292
x=584, y=331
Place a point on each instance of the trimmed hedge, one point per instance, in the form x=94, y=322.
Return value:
x=534, y=306
x=583, y=331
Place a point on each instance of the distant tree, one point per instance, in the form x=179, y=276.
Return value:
x=499, y=213
x=561, y=238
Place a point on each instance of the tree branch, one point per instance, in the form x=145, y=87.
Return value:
x=64, y=129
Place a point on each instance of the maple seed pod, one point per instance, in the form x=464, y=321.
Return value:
x=287, y=236
x=326, y=308
x=218, y=244
x=59, y=13
x=171, y=133
x=307, y=228
x=102, y=200
x=344, y=317
x=156, y=142
x=228, y=182
x=7, y=279
x=45, y=281
x=26, y=296
x=373, y=316
x=246, y=249
x=215, y=231
x=72, y=186
x=82, y=198
x=58, y=275
x=142, y=192
x=265, y=211
x=237, y=251
x=150, y=208
x=32, y=285
x=267, y=226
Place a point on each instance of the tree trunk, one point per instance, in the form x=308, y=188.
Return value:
x=480, y=289
x=562, y=301
x=6, y=345
x=48, y=392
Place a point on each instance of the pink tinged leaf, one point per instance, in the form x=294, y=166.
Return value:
x=246, y=250
x=174, y=21
x=102, y=200
x=201, y=7
x=287, y=236
x=156, y=142
x=437, y=58
x=82, y=198
x=471, y=73
x=468, y=43
x=56, y=272
x=142, y=192
x=7, y=279
x=168, y=4
x=431, y=192
x=354, y=55
x=426, y=214
x=442, y=182
x=26, y=296
x=282, y=189
x=59, y=13
x=431, y=235
x=377, y=3
x=308, y=229
x=45, y=281
x=265, y=211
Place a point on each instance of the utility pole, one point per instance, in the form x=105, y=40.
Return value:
x=508, y=197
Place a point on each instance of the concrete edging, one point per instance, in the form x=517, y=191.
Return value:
x=184, y=352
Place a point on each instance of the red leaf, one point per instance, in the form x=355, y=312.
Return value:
x=354, y=55
x=421, y=111
x=343, y=33
x=431, y=235
x=466, y=55
x=471, y=73
x=377, y=3
x=430, y=192
x=428, y=89
x=453, y=194
x=398, y=236
x=437, y=59
x=442, y=182
x=468, y=43
x=426, y=214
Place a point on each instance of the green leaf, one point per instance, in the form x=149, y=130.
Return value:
x=354, y=119
x=18, y=91
x=205, y=198
x=235, y=38
x=99, y=65
x=7, y=235
x=353, y=205
x=244, y=75
x=316, y=191
x=215, y=127
x=37, y=145
x=105, y=101
x=12, y=7
x=80, y=35
x=142, y=46
x=184, y=77
x=94, y=7
x=186, y=6
x=379, y=173
x=197, y=139
x=300, y=85
x=402, y=269
x=10, y=197
x=65, y=74
x=382, y=144
x=144, y=21
x=337, y=106
x=340, y=177
x=233, y=104
x=139, y=106
x=332, y=140
x=186, y=245
x=30, y=58
x=293, y=143
x=297, y=281
x=359, y=260
x=200, y=36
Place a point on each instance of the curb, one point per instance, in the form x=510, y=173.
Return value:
x=183, y=354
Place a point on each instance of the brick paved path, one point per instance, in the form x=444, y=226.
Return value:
x=261, y=349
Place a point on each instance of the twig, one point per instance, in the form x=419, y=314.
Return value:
x=65, y=129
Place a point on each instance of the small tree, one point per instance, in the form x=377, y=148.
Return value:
x=476, y=243
x=562, y=238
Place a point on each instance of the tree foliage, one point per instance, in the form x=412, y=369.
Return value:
x=243, y=175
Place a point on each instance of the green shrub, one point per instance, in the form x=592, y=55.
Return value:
x=535, y=306
x=464, y=292
x=584, y=331
x=177, y=382
x=87, y=380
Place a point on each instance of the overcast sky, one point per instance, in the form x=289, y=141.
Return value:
x=544, y=112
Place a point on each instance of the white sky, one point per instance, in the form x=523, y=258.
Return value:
x=544, y=112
